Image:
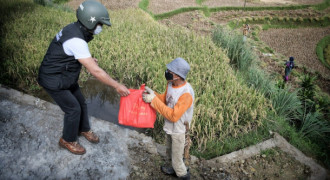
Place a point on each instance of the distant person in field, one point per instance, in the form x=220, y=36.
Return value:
x=246, y=29
x=289, y=65
x=176, y=105
x=60, y=69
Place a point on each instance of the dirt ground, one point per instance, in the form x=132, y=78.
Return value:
x=299, y=43
x=162, y=6
x=293, y=42
x=272, y=164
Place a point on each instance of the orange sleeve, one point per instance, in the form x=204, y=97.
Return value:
x=184, y=102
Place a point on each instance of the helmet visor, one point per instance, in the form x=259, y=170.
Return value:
x=105, y=21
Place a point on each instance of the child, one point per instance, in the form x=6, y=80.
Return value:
x=176, y=105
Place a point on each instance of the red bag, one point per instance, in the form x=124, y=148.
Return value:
x=133, y=111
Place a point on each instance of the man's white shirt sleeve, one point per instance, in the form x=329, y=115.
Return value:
x=76, y=47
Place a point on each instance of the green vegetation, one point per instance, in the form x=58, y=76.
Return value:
x=199, y=2
x=322, y=6
x=240, y=55
x=293, y=114
x=136, y=53
x=322, y=51
x=235, y=106
x=143, y=4
x=327, y=54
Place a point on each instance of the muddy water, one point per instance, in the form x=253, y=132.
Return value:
x=102, y=101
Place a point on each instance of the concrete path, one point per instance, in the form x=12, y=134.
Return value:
x=29, y=132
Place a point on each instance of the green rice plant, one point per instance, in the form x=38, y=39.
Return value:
x=300, y=19
x=280, y=18
x=239, y=54
x=206, y=11
x=265, y=27
x=259, y=80
x=287, y=18
x=295, y=19
x=322, y=6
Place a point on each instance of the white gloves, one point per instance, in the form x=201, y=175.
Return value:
x=148, y=95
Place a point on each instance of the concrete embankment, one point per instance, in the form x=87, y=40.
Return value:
x=29, y=132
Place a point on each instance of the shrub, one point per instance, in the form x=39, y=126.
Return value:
x=285, y=103
x=307, y=85
x=313, y=126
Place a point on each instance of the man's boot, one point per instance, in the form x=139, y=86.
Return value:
x=167, y=170
x=73, y=147
x=91, y=136
x=185, y=177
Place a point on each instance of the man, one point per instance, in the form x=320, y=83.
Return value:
x=176, y=105
x=60, y=69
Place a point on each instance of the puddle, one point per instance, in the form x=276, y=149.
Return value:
x=102, y=101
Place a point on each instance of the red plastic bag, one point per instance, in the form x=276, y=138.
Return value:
x=133, y=111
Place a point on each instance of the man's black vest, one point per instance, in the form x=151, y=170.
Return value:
x=58, y=70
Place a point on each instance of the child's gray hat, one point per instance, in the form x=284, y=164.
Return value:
x=179, y=66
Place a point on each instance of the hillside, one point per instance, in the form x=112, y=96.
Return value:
x=230, y=113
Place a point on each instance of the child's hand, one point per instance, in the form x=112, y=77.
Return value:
x=148, y=95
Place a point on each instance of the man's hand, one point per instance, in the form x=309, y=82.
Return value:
x=91, y=65
x=122, y=90
x=148, y=95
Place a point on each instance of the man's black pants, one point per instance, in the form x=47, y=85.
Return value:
x=72, y=103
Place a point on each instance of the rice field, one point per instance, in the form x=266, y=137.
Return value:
x=135, y=50
x=299, y=43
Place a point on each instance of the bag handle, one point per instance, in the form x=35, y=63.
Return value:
x=142, y=86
